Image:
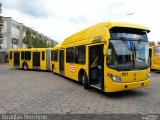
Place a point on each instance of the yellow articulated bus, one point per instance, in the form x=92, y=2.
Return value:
x=154, y=53
x=34, y=58
x=110, y=56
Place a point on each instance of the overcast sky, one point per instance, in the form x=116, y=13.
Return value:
x=59, y=19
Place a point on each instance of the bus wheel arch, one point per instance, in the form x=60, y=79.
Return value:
x=83, y=78
x=25, y=66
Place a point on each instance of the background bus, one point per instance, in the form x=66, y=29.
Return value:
x=154, y=53
x=110, y=56
x=34, y=58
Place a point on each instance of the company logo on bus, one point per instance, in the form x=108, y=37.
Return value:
x=97, y=39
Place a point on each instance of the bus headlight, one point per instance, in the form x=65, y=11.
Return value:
x=114, y=78
x=148, y=76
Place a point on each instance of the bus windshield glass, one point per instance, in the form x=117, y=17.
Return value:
x=157, y=51
x=128, y=51
x=128, y=34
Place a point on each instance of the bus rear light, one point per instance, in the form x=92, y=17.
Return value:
x=114, y=78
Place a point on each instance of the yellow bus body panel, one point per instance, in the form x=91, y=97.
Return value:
x=140, y=80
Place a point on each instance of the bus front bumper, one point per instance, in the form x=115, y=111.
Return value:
x=115, y=87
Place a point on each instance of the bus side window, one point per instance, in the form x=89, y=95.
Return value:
x=52, y=55
x=70, y=55
x=80, y=55
x=150, y=53
x=27, y=55
x=55, y=55
x=43, y=55
x=10, y=57
x=22, y=55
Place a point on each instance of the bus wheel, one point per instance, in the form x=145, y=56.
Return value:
x=84, y=79
x=25, y=66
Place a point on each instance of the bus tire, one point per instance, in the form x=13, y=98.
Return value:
x=83, y=79
x=25, y=66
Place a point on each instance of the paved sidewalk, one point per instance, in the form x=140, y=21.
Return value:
x=43, y=92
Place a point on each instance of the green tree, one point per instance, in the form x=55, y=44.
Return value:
x=28, y=39
x=34, y=40
x=52, y=43
x=39, y=42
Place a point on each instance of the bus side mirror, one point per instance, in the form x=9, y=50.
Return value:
x=105, y=49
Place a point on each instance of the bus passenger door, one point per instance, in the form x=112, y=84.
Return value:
x=11, y=59
x=16, y=59
x=61, y=62
x=96, y=66
x=36, y=60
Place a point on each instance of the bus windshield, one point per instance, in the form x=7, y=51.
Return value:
x=157, y=51
x=127, y=52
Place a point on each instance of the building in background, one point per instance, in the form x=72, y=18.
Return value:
x=13, y=33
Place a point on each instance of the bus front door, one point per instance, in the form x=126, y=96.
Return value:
x=61, y=62
x=16, y=59
x=96, y=66
x=36, y=60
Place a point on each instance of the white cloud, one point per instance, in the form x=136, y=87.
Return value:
x=65, y=17
x=146, y=13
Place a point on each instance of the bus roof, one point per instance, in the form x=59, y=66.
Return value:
x=28, y=49
x=129, y=25
x=58, y=46
x=88, y=32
